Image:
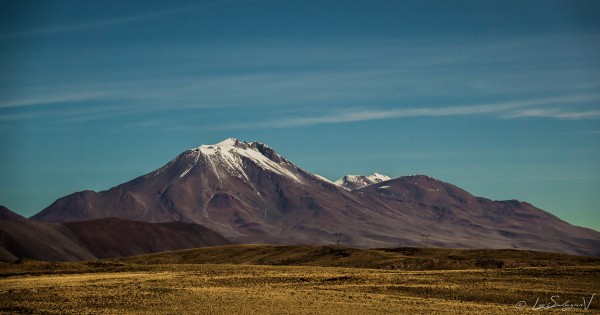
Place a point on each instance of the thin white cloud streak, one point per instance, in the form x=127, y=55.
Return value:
x=78, y=114
x=556, y=113
x=504, y=109
x=54, y=98
x=109, y=22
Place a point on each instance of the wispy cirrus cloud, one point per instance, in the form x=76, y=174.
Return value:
x=53, y=98
x=513, y=109
x=306, y=85
x=556, y=113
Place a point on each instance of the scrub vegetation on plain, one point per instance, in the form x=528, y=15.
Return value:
x=149, y=285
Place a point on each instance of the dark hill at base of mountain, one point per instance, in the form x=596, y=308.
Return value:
x=403, y=258
x=105, y=238
x=9, y=215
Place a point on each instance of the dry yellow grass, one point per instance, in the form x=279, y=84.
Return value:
x=84, y=288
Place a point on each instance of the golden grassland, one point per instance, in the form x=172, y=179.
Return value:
x=160, y=287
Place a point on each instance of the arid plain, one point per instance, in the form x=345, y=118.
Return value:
x=307, y=280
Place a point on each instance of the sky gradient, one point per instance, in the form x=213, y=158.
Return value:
x=501, y=98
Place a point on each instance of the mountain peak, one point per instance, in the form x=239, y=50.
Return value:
x=357, y=181
x=232, y=154
x=225, y=145
x=379, y=177
x=229, y=142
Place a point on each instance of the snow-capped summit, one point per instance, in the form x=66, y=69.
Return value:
x=234, y=157
x=351, y=182
x=227, y=144
x=235, y=144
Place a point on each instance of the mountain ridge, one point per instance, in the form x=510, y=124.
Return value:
x=250, y=194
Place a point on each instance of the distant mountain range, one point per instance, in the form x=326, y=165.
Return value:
x=248, y=193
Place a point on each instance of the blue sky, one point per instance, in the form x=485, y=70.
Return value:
x=501, y=98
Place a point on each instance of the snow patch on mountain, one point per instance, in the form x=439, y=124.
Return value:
x=189, y=168
x=376, y=177
x=357, y=181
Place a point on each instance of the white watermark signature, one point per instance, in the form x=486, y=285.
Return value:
x=556, y=302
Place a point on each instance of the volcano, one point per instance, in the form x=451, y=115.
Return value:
x=248, y=193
